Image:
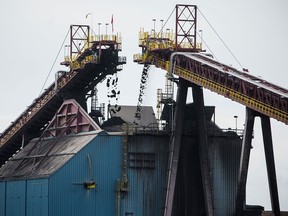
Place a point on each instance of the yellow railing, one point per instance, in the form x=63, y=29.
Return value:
x=156, y=40
x=168, y=35
x=138, y=57
x=163, y=40
x=94, y=38
x=105, y=37
x=186, y=45
x=233, y=95
x=141, y=58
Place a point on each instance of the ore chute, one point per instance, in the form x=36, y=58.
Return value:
x=143, y=84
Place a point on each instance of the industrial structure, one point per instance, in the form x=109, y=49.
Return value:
x=56, y=159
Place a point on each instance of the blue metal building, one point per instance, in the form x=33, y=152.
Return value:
x=79, y=174
x=121, y=173
x=57, y=187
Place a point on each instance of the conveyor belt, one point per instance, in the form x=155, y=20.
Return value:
x=242, y=87
x=84, y=74
x=239, y=74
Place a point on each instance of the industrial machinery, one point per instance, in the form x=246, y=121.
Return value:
x=91, y=58
x=182, y=56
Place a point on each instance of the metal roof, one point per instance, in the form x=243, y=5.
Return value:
x=45, y=158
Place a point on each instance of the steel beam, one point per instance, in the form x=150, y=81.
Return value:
x=270, y=164
x=203, y=148
x=79, y=38
x=186, y=26
x=244, y=161
x=245, y=155
x=176, y=138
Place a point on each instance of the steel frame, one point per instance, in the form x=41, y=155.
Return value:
x=175, y=146
x=78, y=33
x=69, y=119
x=244, y=162
x=186, y=29
x=198, y=99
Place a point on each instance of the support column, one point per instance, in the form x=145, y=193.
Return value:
x=244, y=161
x=203, y=148
x=176, y=138
x=270, y=164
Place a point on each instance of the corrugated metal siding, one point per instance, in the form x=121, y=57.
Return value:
x=146, y=194
x=225, y=159
x=2, y=198
x=37, y=197
x=67, y=195
x=15, y=198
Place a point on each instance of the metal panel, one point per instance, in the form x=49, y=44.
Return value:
x=2, y=198
x=15, y=198
x=225, y=159
x=146, y=194
x=99, y=161
x=37, y=197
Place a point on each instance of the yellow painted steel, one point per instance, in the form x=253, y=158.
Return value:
x=124, y=179
x=157, y=41
x=162, y=40
x=74, y=64
x=222, y=90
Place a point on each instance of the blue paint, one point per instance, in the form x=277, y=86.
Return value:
x=100, y=160
x=37, y=197
x=67, y=193
x=2, y=198
x=15, y=198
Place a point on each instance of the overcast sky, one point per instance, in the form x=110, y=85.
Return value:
x=32, y=32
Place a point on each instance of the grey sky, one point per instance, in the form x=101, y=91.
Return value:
x=256, y=31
